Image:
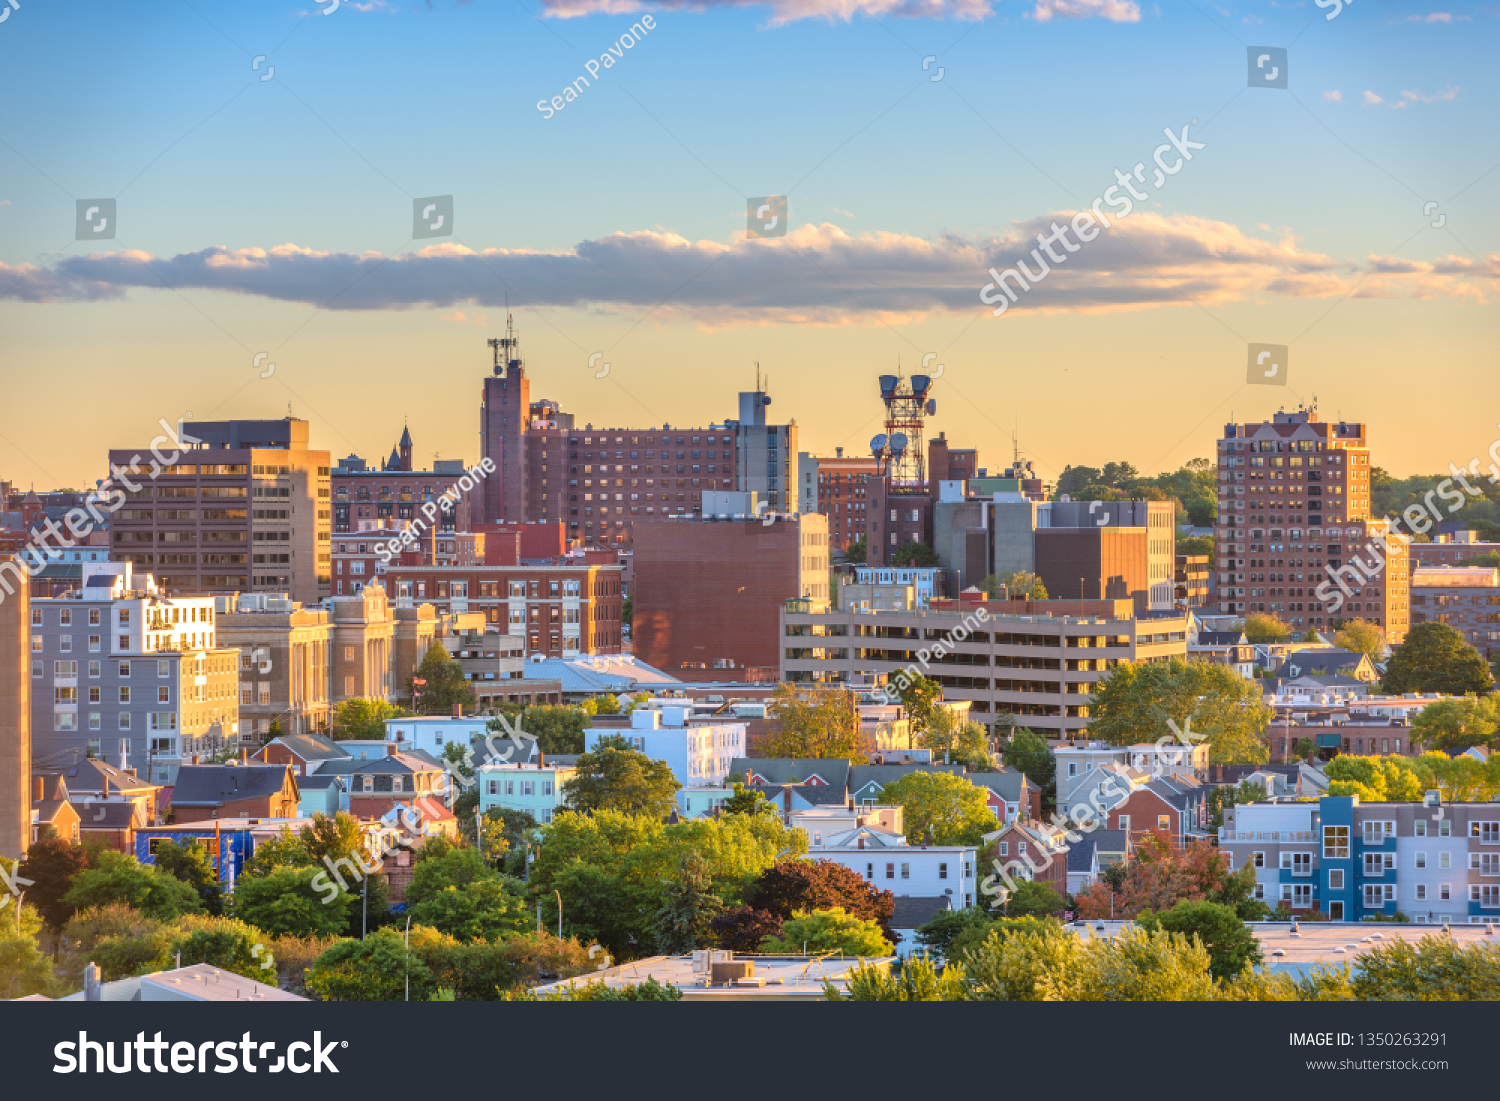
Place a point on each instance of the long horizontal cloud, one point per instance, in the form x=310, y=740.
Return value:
x=817, y=274
x=789, y=11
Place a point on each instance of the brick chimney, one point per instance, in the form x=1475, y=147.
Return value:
x=391, y=749
x=106, y=787
x=458, y=711
x=38, y=788
x=244, y=756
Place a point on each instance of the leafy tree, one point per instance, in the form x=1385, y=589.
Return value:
x=744, y=928
x=747, y=801
x=190, y=864
x=1435, y=658
x=1020, y=585
x=1195, y=545
x=1361, y=637
x=612, y=778
x=855, y=551
x=1434, y=969
x=1136, y=965
x=914, y=554
x=1488, y=560
x=1016, y=968
x=507, y=833
x=600, y=991
x=558, y=729
x=818, y=723
x=52, y=864
x=115, y=877
x=333, y=838
x=363, y=719
x=1133, y=703
x=918, y=981
x=1030, y=753
x=920, y=696
x=957, y=741
x=607, y=704
x=938, y=934
x=832, y=930
x=1260, y=627
x=485, y=909
x=685, y=920
x=122, y=941
x=1231, y=946
x=1457, y=724
x=798, y=886
x=24, y=969
x=221, y=942
x=446, y=683
x=294, y=901
x=1033, y=899
x=372, y=970
x=1374, y=779
x=627, y=609
x=946, y=808
x=1160, y=876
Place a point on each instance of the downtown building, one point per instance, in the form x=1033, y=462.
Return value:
x=122, y=670
x=1466, y=598
x=246, y=508
x=392, y=497
x=1033, y=661
x=601, y=481
x=1293, y=536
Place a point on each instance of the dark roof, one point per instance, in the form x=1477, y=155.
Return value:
x=1169, y=793
x=318, y=781
x=912, y=912
x=1318, y=663
x=311, y=747
x=1008, y=783
x=89, y=773
x=818, y=795
x=215, y=785
x=46, y=810
x=1111, y=841
x=834, y=771
x=106, y=816
x=1081, y=854
x=1221, y=638
x=884, y=775
x=404, y=761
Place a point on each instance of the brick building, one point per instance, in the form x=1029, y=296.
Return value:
x=601, y=481
x=560, y=610
x=1451, y=550
x=838, y=488
x=708, y=593
x=396, y=491
x=1466, y=598
x=205, y=792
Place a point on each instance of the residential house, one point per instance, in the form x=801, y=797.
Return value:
x=1328, y=662
x=307, y=753
x=886, y=861
x=1093, y=853
x=321, y=793
x=396, y=779
x=823, y=824
x=1223, y=648
x=206, y=792
x=700, y=752
x=229, y=842
x=50, y=808
x=111, y=823
x=866, y=782
x=1026, y=850
x=911, y=914
x=1173, y=808
x=93, y=780
x=533, y=788
x=1009, y=793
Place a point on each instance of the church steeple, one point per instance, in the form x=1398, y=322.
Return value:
x=405, y=448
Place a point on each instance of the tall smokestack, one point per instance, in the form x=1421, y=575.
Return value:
x=15, y=711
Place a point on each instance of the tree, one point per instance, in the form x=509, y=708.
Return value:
x=190, y=864
x=920, y=696
x=285, y=850
x=747, y=801
x=489, y=909
x=1020, y=585
x=446, y=685
x=919, y=981
x=607, y=704
x=1033, y=899
x=1195, y=544
x=52, y=864
x=818, y=932
x=329, y=839
x=557, y=729
x=818, y=723
x=940, y=808
x=1457, y=724
x=1435, y=658
x=1160, y=877
x=1030, y=753
x=1134, y=703
x=24, y=970
x=120, y=940
x=914, y=554
x=1434, y=969
x=1136, y=965
x=1361, y=637
x=507, y=833
x=115, y=877
x=612, y=778
x=294, y=901
x=744, y=928
x=938, y=934
x=799, y=886
x=854, y=551
x=685, y=920
x=375, y=969
x=627, y=609
x=221, y=942
x=1231, y=946
x=957, y=741
x=363, y=719
x=1016, y=968
x=1260, y=627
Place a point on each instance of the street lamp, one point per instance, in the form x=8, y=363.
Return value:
x=408, y=957
x=559, y=913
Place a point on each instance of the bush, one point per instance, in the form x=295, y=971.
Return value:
x=120, y=940
x=1016, y=968
x=826, y=931
x=1231, y=945
x=298, y=902
x=648, y=991
x=375, y=969
x=221, y=942
x=916, y=981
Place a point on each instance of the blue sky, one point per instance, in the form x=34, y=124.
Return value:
x=902, y=191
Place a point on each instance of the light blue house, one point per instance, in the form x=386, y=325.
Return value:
x=321, y=794
x=699, y=751
x=534, y=788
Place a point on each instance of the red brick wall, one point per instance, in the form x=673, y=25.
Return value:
x=1142, y=808
x=281, y=805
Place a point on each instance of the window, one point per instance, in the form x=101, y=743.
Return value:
x=869, y=871
x=1259, y=859
x=905, y=871
x=494, y=787
x=124, y=693
x=1445, y=892
x=943, y=870
x=124, y=669
x=1445, y=828
x=1336, y=842
x=1445, y=860
x=1421, y=858
x=1124, y=822
x=1336, y=879
x=1378, y=894
x=890, y=871
x=1298, y=894
x=1487, y=832
x=1259, y=892
x=1377, y=832
x=94, y=669
x=163, y=695
x=1421, y=892
x=1163, y=822
x=1003, y=848
x=163, y=668
x=1297, y=863
x=1420, y=827
x=1379, y=863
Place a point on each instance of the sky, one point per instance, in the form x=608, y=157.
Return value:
x=266, y=162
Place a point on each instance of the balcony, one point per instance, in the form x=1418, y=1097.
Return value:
x=1267, y=835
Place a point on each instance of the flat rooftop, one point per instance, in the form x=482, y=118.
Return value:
x=776, y=979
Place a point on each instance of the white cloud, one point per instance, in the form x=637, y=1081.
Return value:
x=1408, y=97
x=817, y=274
x=1418, y=97
x=1431, y=17
x=786, y=11
x=1334, y=96
x=1116, y=11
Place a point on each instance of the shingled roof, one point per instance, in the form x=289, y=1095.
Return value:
x=215, y=785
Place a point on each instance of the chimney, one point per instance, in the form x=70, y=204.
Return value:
x=244, y=756
x=541, y=759
x=195, y=758
x=38, y=788
x=93, y=988
x=458, y=711
x=106, y=787
x=391, y=748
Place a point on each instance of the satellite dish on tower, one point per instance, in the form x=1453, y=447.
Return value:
x=931, y=406
x=877, y=444
x=898, y=442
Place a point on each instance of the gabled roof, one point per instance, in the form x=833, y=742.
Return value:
x=404, y=761
x=47, y=810
x=1320, y=663
x=1081, y=854
x=88, y=774
x=1111, y=841
x=215, y=785
x=1008, y=783
x=319, y=781
x=1168, y=793
x=860, y=776
x=309, y=747
x=94, y=815
x=832, y=771
x=850, y=838
x=1221, y=638
x=915, y=911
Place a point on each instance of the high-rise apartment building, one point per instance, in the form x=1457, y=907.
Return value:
x=1294, y=512
x=837, y=487
x=246, y=507
x=601, y=481
x=15, y=716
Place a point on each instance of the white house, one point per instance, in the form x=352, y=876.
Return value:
x=927, y=871
x=434, y=732
x=699, y=752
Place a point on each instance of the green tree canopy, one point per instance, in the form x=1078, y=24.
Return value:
x=363, y=719
x=297, y=902
x=832, y=930
x=1021, y=585
x=819, y=723
x=1457, y=724
x=1435, y=658
x=920, y=696
x=190, y=863
x=52, y=864
x=689, y=907
x=1030, y=753
x=947, y=808
x=1361, y=637
x=957, y=741
x=115, y=877
x=1260, y=627
x=1132, y=704
x=610, y=777
x=446, y=685
x=1231, y=945
x=24, y=969
x=914, y=554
